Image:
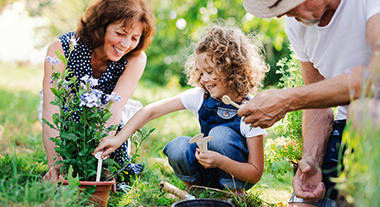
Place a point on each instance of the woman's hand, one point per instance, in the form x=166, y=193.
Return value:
x=52, y=175
x=108, y=145
x=209, y=159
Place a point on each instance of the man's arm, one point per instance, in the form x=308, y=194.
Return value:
x=316, y=123
x=316, y=130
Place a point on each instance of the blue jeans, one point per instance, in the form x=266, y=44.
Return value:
x=330, y=162
x=226, y=141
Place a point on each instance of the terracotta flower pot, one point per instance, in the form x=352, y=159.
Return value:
x=102, y=191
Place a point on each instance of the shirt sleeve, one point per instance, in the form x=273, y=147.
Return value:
x=249, y=132
x=373, y=8
x=192, y=99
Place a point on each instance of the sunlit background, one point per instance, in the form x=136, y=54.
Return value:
x=28, y=26
x=18, y=41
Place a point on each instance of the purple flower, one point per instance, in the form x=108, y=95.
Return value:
x=85, y=78
x=109, y=97
x=117, y=98
x=97, y=93
x=89, y=100
x=51, y=79
x=73, y=42
x=52, y=60
x=93, y=82
x=84, y=86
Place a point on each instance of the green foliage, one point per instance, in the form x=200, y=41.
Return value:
x=289, y=145
x=137, y=139
x=144, y=190
x=359, y=180
x=20, y=185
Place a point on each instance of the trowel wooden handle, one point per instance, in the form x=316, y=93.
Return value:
x=174, y=190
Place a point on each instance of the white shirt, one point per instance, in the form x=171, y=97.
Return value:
x=192, y=99
x=339, y=46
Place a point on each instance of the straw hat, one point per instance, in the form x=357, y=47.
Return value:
x=270, y=8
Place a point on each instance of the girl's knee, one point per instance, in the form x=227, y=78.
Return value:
x=179, y=149
x=223, y=137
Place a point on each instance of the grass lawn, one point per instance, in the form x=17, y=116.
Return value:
x=20, y=135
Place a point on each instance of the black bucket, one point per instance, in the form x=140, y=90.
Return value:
x=202, y=203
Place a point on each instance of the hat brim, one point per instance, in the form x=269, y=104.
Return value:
x=262, y=8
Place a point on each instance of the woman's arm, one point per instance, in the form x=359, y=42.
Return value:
x=251, y=171
x=143, y=116
x=49, y=110
x=126, y=85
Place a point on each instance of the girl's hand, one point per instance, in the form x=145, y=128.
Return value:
x=108, y=145
x=209, y=159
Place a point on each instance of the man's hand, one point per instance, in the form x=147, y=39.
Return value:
x=209, y=159
x=265, y=109
x=307, y=183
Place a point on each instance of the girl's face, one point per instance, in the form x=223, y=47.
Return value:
x=210, y=80
x=119, y=39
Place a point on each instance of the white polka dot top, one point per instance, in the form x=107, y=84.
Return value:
x=80, y=64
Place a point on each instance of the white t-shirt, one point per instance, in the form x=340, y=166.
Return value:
x=192, y=99
x=339, y=46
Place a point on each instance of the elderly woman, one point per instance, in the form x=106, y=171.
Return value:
x=112, y=37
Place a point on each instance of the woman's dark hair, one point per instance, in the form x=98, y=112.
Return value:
x=101, y=13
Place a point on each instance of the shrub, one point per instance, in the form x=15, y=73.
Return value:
x=289, y=145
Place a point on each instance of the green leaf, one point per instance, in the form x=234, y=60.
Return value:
x=55, y=91
x=83, y=151
x=61, y=57
x=56, y=119
x=73, y=182
x=68, y=136
x=50, y=125
x=107, y=116
x=109, y=162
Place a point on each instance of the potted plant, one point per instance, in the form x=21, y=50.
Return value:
x=78, y=139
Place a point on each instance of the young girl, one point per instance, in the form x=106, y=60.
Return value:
x=225, y=62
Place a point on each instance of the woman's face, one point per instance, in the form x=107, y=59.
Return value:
x=210, y=80
x=119, y=39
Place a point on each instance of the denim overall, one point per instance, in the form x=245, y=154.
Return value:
x=222, y=123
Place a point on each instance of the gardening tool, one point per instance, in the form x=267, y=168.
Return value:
x=196, y=138
x=190, y=200
x=163, y=185
x=227, y=100
x=99, y=169
x=201, y=142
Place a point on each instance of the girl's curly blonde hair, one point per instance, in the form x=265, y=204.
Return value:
x=238, y=60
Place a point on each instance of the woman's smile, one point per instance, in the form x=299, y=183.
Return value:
x=120, y=39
